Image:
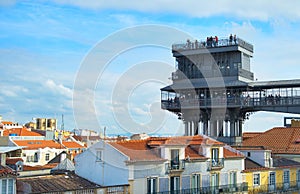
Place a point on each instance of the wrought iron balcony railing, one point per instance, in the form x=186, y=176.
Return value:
x=175, y=166
x=276, y=187
x=236, y=188
x=215, y=163
x=231, y=102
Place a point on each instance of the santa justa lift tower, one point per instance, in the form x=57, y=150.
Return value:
x=214, y=91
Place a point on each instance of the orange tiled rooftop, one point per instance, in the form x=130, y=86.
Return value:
x=279, y=140
x=20, y=132
x=35, y=144
x=147, y=149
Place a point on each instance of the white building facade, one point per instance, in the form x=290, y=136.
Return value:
x=153, y=165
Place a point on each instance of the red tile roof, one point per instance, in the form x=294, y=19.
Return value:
x=148, y=149
x=7, y=122
x=72, y=144
x=232, y=153
x=44, y=167
x=280, y=140
x=13, y=160
x=36, y=144
x=20, y=132
x=247, y=135
x=5, y=170
x=137, y=150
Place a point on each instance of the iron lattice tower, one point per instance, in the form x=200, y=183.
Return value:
x=214, y=91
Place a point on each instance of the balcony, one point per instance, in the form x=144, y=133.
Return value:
x=215, y=164
x=174, y=166
x=293, y=186
x=237, y=188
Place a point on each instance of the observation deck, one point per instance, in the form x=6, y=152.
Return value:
x=214, y=91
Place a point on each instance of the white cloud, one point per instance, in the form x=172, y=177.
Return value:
x=255, y=9
x=59, y=88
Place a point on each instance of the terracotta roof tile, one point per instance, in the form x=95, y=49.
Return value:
x=231, y=153
x=7, y=122
x=38, y=167
x=192, y=153
x=137, y=150
x=5, y=170
x=20, y=132
x=148, y=149
x=13, y=160
x=72, y=144
x=248, y=135
x=279, y=140
x=35, y=144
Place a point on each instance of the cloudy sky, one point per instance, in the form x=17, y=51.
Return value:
x=116, y=65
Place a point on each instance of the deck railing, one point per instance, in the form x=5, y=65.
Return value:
x=232, y=102
x=235, y=188
x=175, y=166
x=191, y=45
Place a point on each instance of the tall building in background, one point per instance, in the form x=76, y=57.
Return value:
x=214, y=91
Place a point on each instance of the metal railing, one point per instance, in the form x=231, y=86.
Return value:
x=175, y=166
x=190, y=45
x=215, y=163
x=235, y=188
x=231, y=102
x=277, y=187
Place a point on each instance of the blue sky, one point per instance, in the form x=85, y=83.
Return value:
x=44, y=43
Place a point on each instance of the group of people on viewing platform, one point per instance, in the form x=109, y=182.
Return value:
x=210, y=42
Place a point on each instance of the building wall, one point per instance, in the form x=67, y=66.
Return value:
x=41, y=155
x=260, y=156
x=112, y=170
x=236, y=165
x=264, y=178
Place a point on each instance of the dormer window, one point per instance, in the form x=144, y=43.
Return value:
x=215, y=154
x=175, y=158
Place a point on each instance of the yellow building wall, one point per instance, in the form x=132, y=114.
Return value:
x=264, y=177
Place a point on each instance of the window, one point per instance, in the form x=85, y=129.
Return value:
x=10, y=187
x=99, y=156
x=196, y=181
x=7, y=186
x=175, y=159
x=214, y=180
x=47, y=157
x=4, y=185
x=248, y=154
x=175, y=183
x=151, y=185
x=256, y=179
x=286, y=176
x=232, y=178
x=272, y=178
x=215, y=154
x=35, y=157
x=298, y=175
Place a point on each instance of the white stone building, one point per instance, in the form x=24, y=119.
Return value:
x=160, y=164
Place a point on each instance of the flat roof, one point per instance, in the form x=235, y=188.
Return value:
x=5, y=149
x=276, y=84
x=202, y=83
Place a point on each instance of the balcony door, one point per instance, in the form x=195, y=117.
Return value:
x=298, y=178
x=175, y=159
x=272, y=181
x=286, y=179
x=215, y=183
x=215, y=156
x=175, y=184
